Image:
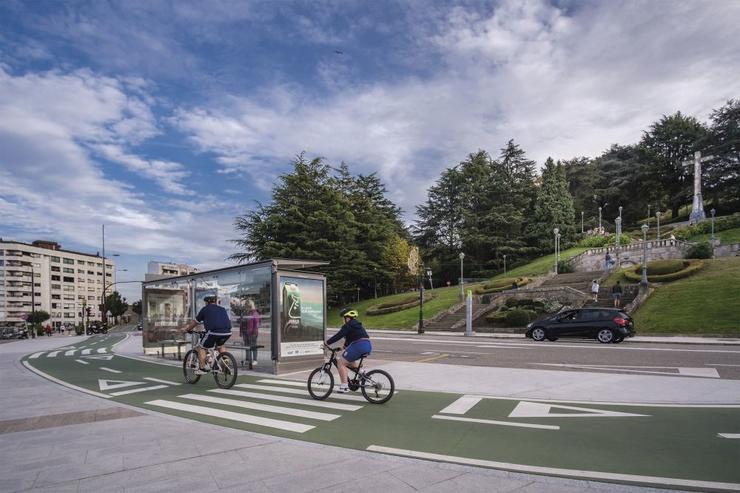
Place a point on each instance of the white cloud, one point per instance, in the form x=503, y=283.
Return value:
x=561, y=83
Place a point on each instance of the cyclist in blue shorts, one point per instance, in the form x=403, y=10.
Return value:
x=356, y=343
x=216, y=321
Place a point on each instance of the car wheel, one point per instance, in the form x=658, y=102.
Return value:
x=538, y=334
x=605, y=336
x=552, y=339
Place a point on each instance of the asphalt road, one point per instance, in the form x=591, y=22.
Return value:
x=690, y=360
x=691, y=447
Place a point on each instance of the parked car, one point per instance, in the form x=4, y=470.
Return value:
x=139, y=326
x=603, y=324
x=13, y=333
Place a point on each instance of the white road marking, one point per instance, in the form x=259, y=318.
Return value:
x=158, y=380
x=554, y=471
x=63, y=383
x=729, y=435
x=104, y=357
x=242, y=418
x=297, y=391
x=70, y=352
x=684, y=372
x=289, y=400
x=499, y=423
x=110, y=370
x=540, y=410
x=35, y=355
x=462, y=405
x=86, y=351
x=52, y=354
x=720, y=364
x=606, y=347
x=292, y=383
x=102, y=350
x=263, y=407
x=134, y=391
x=82, y=361
x=104, y=384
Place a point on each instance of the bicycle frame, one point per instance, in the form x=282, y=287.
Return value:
x=211, y=353
x=333, y=361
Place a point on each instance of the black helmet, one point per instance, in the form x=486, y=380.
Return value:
x=348, y=312
x=210, y=298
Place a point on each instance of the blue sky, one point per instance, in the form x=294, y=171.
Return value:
x=166, y=119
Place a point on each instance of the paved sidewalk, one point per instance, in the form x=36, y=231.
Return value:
x=85, y=444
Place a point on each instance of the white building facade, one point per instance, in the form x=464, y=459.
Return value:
x=160, y=270
x=60, y=282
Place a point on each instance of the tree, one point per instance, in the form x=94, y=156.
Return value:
x=665, y=146
x=553, y=207
x=115, y=304
x=37, y=317
x=136, y=307
x=722, y=174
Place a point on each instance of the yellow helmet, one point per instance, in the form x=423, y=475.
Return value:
x=348, y=312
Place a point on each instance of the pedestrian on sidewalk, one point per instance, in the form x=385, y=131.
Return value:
x=617, y=295
x=595, y=289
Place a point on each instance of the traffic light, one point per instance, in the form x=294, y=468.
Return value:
x=89, y=311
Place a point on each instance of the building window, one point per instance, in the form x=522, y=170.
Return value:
x=90, y=273
x=55, y=259
x=69, y=288
x=68, y=261
x=54, y=305
x=91, y=297
x=69, y=297
x=81, y=262
x=55, y=278
x=69, y=315
x=56, y=286
x=68, y=270
x=54, y=268
x=56, y=297
x=80, y=271
x=69, y=279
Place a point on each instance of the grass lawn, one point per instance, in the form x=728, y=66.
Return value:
x=707, y=303
x=405, y=319
x=727, y=236
x=542, y=265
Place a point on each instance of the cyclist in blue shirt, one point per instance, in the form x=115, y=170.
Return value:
x=356, y=343
x=217, y=326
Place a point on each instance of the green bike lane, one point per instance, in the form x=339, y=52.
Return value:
x=689, y=447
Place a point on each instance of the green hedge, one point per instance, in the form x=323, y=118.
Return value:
x=704, y=227
x=700, y=250
x=690, y=267
x=512, y=318
x=600, y=241
x=501, y=285
x=397, y=306
x=662, y=267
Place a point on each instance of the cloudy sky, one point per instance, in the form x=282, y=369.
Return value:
x=164, y=120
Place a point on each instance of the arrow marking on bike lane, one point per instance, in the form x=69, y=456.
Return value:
x=539, y=410
x=104, y=384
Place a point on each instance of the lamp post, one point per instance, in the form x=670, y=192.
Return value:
x=33, y=301
x=599, y=219
x=504, y=264
x=713, y=211
x=644, y=254
x=581, y=222
x=620, y=212
x=462, y=278
x=429, y=275
x=648, y=216
x=375, y=281
x=420, y=329
x=555, y=233
x=657, y=216
x=618, y=223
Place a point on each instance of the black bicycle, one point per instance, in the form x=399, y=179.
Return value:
x=377, y=386
x=221, y=365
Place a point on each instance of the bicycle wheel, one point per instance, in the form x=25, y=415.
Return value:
x=377, y=386
x=189, y=365
x=320, y=383
x=224, y=370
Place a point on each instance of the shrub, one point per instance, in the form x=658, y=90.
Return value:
x=604, y=240
x=565, y=267
x=501, y=285
x=691, y=267
x=392, y=307
x=662, y=267
x=403, y=301
x=518, y=318
x=700, y=250
x=704, y=227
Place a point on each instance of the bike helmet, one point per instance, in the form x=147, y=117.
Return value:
x=209, y=299
x=348, y=312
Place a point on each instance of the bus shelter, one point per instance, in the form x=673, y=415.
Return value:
x=277, y=312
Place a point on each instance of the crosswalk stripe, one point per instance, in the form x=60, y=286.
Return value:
x=70, y=352
x=297, y=391
x=110, y=369
x=134, y=391
x=292, y=383
x=102, y=350
x=263, y=407
x=230, y=415
x=290, y=400
x=159, y=380
x=35, y=355
x=86, y=351
x=81, y=361
x=52, y=354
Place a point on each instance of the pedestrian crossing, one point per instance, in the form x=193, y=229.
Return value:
x=265, y=405
x=81, y=351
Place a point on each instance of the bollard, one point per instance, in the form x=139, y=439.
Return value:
x=469, y=314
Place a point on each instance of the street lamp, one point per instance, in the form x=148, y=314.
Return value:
x=618, y=223
x=648, y=216
x=504, y=264
x=657, y=216
x=429, y=275
x=644, y=254
x=620, y=212
x=581, y=222
x=420, y=329
x=599, y=219
x=375, y=281
x=713, y=212
x=462, y=278
x=555, y=233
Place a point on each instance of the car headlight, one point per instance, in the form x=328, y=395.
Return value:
x=529, y=326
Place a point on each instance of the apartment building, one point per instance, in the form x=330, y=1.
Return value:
x=159, y=270
x=61, y=282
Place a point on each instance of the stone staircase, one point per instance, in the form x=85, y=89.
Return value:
x=629, y=293
x=576, y=280
x=449, y=320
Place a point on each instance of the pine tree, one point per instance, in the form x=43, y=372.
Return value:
x=553, y=208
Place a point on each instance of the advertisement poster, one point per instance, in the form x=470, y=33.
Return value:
x=302, y=316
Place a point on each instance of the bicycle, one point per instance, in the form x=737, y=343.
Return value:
x=221, y=365
x=377, y=386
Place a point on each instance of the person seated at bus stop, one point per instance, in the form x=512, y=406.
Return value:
x=356, y=343
x=217, y=326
